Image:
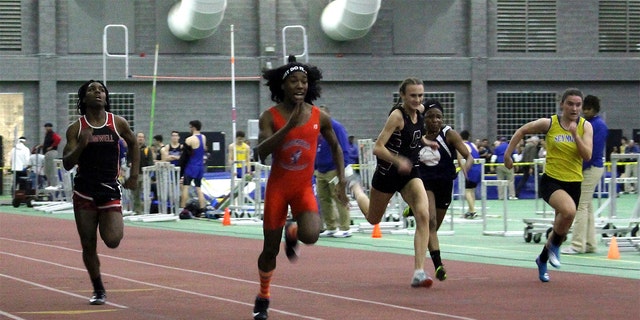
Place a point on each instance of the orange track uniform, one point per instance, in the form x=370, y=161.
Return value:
x=291, y=171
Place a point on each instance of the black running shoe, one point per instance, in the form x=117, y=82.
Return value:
x=470, y=215
x=98, y=298
x=291, y=240
x=260, y=309
x=441, y=273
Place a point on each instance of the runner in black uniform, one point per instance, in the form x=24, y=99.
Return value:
x=437, y=172
x=98, y=165
x=397, y=150
x=92, y=145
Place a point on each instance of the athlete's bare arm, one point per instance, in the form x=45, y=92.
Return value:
x=75, y=144
x=394, y=122
x=541, y=125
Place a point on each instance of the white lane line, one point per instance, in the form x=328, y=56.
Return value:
x=51, y=288
x=138, y=282
x=382, y=304
x=10, y=316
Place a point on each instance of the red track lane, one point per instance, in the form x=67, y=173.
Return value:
x=159, y=274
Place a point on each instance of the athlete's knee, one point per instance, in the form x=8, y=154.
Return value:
x=373, y=220
x=569, y=215
x=112, y=244
x=112, y=241
x=308, y=236
x=269, y=253
x=567, y=212
x=422, y=214
x=433, y=222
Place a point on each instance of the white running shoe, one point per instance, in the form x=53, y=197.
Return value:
x=342, y=234
x=421, y=279
x=98, y=298
x=327, y=233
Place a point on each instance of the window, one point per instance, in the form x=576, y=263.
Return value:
x=619, y=26
x=517, y=108
x=526, y=26
x=122, y=104
x=12, y=124
x=11, y=26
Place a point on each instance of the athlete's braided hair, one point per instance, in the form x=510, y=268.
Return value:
x=275, y=78
x=82, y=92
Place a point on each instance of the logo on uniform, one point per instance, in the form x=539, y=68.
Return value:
x=294, y=150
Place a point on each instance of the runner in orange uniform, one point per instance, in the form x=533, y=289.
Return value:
x=289, y=132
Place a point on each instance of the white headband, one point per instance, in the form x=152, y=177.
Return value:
x=292, y=70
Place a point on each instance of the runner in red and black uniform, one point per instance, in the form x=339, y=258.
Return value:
x=92, y=145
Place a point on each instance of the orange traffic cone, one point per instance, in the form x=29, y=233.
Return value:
x=614, y=252
x=376, y=231
x=226, y=219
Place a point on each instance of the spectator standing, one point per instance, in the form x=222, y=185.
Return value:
x=123, y=151
x=473, y=176
x=239, y=151
x=146, y=159
x=583, y=236
x=354, y=151
x=36, y=163
x=542, y=149
x=50, y=150
x=630, y=169
x=195, y=147
x=171, y=152
x=92, y=145
x=502, y=172
x=529, y=154
x=123, y=156
x=19, y=157
x=569, y=142
x=337, y=224
x=157, y=145
x=486, y=153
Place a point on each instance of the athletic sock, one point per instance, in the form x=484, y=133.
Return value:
x=557, y=239
x=97, y=284
x=544, y=255
x=435, y=256
x=265, y=282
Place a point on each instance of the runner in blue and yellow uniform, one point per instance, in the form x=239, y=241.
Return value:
x=569, y=141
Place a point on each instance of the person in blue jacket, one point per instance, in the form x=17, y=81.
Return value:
x=338, y=224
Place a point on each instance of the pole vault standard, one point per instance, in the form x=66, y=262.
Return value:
x=105, y=50
x=195, y=78
x=153, y=95
x=233, y=92
x=233, y=119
